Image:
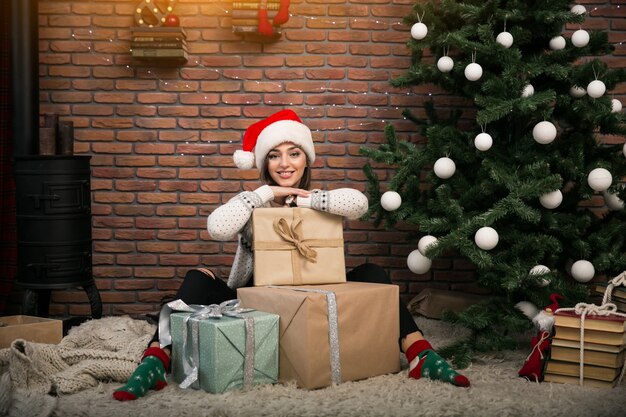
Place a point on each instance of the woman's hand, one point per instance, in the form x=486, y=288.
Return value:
x=280, y=193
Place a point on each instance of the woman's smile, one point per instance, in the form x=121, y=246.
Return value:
x=286, y=164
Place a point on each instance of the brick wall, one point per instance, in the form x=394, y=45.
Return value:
x=162, y=138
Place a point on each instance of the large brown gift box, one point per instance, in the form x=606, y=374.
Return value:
x=310, y=352
x=297, y=246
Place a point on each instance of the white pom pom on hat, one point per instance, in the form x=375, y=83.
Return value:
x=264, y=135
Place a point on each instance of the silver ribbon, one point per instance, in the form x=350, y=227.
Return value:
x=191, y=357
x=333, y=329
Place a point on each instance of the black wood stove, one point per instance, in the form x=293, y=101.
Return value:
x=53, y=202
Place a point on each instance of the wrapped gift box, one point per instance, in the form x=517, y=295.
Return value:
x=367, y=330
x=32, y=329
x=306, y=243
x=222, y=350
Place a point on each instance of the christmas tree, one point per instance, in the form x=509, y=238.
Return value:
x=507, y=178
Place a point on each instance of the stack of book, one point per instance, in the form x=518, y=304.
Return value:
x=159, y=42
x=604, y=349
x=245, y=15
x=618, y=296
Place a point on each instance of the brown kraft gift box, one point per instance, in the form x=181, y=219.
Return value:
x=297, y=246
x=32, y=329
x=368, y=330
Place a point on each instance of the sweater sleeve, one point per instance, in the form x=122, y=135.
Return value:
x=346, y=202
x=226, y=221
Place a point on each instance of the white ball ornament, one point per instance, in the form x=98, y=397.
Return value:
x=577, y=92
x=540, y=270
x=473, y=71
x=616, y=105
x=578, y=9
x=624, y=149
x=528, y=90
x=612, y=201
x=445, y=64
x=419, y=31
x=551, y=200
x=596, y=89
x=583, y=271
x=557, y=43
x=486, y=238
x=390, y=200
x=483, y=141
x=418, y=263
x=544, y=132
x=599, y=179
x=444, y=168
x=425, y=242
x=580, y=38
x=505, y=39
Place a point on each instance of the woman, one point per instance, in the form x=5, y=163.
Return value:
x=282, y=146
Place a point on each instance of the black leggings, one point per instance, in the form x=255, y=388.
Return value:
x=198, y=288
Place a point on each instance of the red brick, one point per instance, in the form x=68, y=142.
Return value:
x=114, y=247
x=154, y=272
x=133, y=284
x=135, y=234
x=156, y=173
x=113, y=197
x=154, y=296
x=179, y=259
x=133, y=210
x=177, y=234
x=178, y=211
x=136, y=259
x=112, y=272
x=134, y=110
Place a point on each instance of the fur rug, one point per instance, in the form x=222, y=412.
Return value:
x=496, y=391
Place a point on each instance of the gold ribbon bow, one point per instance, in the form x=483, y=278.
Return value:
x=293, y=234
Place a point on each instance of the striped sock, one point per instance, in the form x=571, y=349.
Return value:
x=150, y=374
x=425, y=362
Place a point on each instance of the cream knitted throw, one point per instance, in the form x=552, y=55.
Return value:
x=107, y=349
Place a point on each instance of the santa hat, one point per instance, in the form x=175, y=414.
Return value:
x=266, y=134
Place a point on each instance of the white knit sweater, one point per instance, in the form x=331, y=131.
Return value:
x=233, y=218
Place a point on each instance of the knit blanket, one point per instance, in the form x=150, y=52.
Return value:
x=104, y=350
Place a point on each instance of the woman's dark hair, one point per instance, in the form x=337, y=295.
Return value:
x=305, y=181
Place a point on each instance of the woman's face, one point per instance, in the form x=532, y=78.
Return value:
x=285, y=164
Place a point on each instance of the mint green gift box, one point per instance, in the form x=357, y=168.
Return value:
x=222, y=349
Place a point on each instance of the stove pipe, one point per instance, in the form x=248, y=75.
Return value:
x=25, y=76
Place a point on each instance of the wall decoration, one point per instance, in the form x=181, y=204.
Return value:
x=260, y=17
x=151, y=13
